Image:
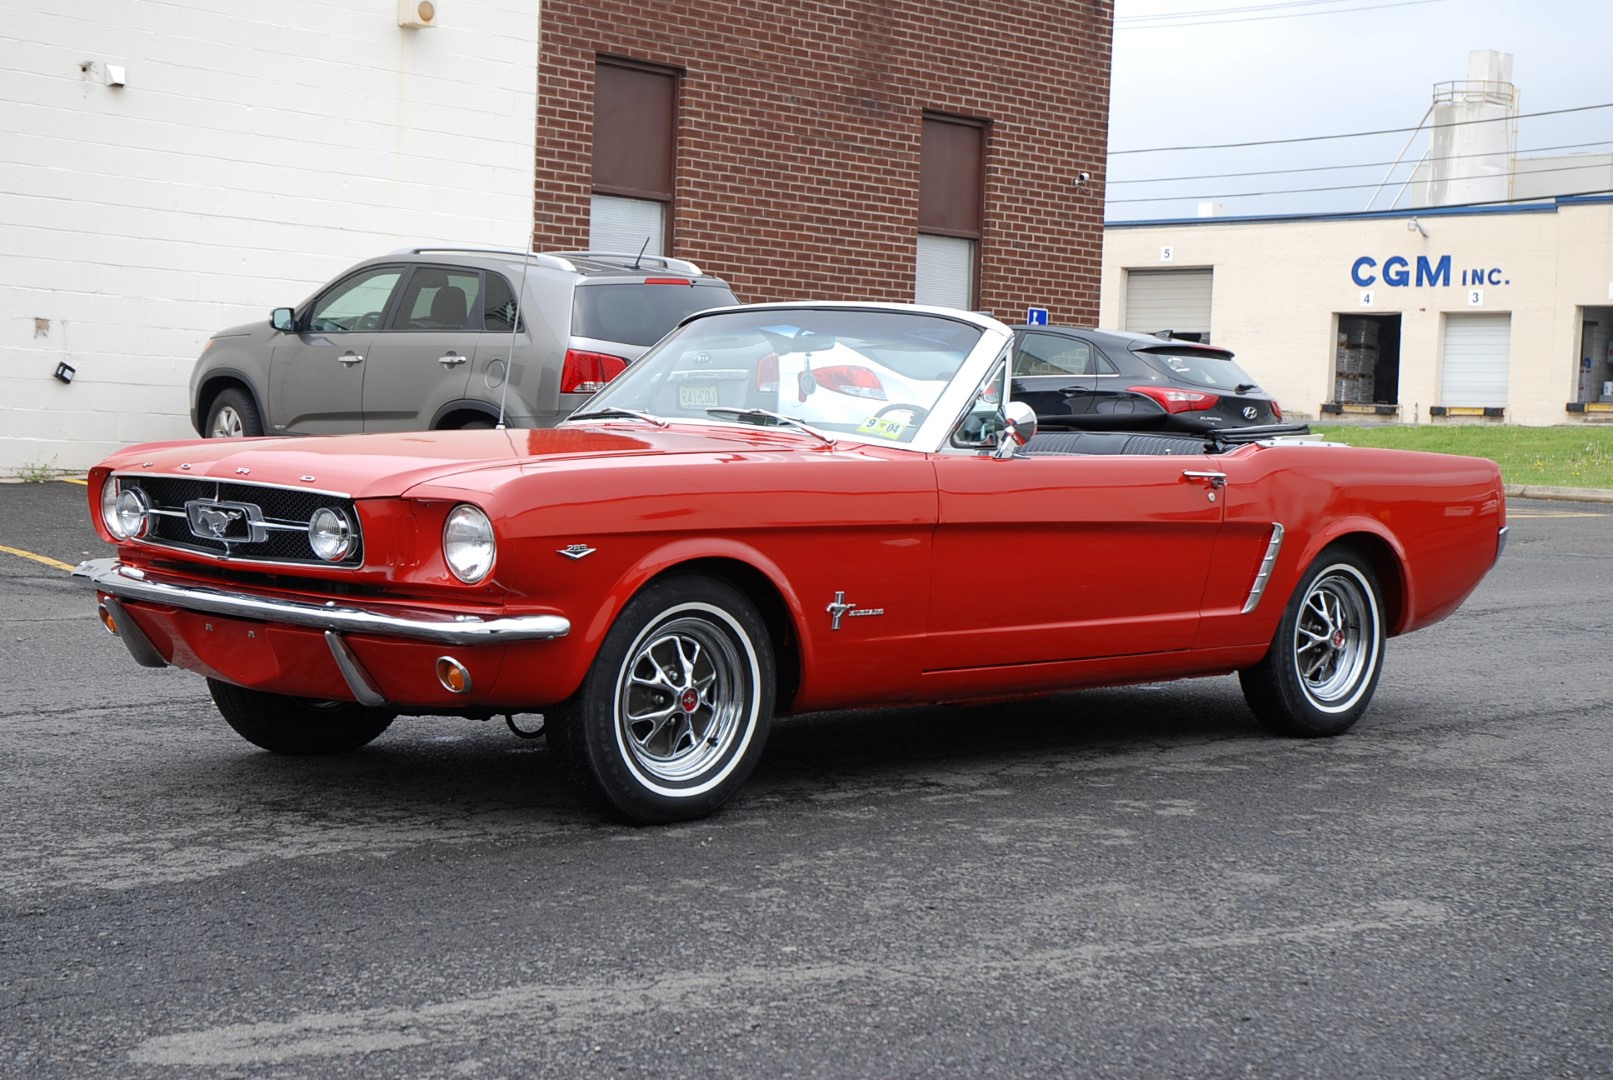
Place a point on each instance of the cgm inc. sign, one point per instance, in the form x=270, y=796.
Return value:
x=1399, y=272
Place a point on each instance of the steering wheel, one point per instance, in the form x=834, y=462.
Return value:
x=368, y=321
x=916, y=412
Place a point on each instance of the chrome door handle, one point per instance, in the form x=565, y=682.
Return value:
x=349, y=358
x=1214, y=479
x=450, y=360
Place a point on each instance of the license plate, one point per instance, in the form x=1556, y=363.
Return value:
x=697, y=397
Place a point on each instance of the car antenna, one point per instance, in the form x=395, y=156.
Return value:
x=515, y=321
x=639, y=258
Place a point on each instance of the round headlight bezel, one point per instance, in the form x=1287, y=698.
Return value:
x=127, y=514
x=468, y=545
x=331, y=526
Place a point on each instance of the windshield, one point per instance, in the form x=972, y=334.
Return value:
x=875, y=373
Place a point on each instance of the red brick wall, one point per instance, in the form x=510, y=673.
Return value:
x=798, y=137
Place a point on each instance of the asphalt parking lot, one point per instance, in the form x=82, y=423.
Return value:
x=1134, y=882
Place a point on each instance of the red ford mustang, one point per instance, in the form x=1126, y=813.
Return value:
x=780, y=509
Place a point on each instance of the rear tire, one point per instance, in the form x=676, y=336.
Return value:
x=232, y=415
x=288, y=725
x=1318, y=677
x=673, y=715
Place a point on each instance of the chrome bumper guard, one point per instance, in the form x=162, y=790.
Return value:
x=129, y=583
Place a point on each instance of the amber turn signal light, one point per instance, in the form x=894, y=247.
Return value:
x=453, y=675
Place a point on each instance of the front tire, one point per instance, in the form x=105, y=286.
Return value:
x=232, y=415
x=1323, y=666
x=673, y=715
x=288, y=725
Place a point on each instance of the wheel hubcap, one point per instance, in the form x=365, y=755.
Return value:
x=227, y=424
x=1335, y=639
x=682, y=700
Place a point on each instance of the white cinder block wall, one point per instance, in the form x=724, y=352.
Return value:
x=255, y=150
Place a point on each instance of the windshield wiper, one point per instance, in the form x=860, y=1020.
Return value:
x=631, y=414
x=1244, y=388
x=764, y=414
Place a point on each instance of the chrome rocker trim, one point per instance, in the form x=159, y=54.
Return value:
x=129, y=583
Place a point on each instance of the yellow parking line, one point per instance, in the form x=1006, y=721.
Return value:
x=46, y=559
x=75, y=480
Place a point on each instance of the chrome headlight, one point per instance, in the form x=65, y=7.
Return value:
x=467, y=543
x=126, y=511
x=330, y=534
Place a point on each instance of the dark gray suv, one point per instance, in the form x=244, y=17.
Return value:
x=422, y=338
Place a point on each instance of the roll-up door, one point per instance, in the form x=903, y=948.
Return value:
x=1477, y=353
x=1177, y=300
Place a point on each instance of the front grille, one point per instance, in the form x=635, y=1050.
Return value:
x=266, y=524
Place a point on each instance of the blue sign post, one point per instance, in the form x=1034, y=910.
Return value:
x=1036, y=316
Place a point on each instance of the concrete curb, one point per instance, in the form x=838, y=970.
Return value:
x=1561, y=494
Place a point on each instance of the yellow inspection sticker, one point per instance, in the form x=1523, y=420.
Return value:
x=882, y=428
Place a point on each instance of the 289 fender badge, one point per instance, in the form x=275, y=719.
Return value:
x=576, y=551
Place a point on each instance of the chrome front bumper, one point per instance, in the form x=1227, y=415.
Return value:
x=128, y=583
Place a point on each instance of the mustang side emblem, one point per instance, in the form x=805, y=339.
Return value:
x=576, y=551
x=840, y=609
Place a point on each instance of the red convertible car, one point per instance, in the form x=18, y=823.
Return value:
x=780, y=509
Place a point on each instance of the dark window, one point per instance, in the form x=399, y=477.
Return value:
x=950, y=173
x=438, y=298
x=498, y=305
x=639, y=314
x=635, y=119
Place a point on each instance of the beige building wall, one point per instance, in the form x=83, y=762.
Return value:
x=1280, y=287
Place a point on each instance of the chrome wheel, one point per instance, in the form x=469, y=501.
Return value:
x=1318, y=676
x=1335, y=638
x=683, y=698
x=676, y=708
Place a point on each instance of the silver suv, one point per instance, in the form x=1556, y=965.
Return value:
x=422, y=339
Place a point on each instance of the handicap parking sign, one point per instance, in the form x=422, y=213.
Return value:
x=1036, y=316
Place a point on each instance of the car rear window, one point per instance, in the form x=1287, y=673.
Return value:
x=637, y=313
x=1199, y=366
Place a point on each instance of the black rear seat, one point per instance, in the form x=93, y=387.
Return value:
x=1114, y=442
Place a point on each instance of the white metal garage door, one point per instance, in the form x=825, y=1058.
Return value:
x=1477, y=352
x=1176, y=300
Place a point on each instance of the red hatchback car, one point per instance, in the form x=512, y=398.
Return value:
x=769, y=513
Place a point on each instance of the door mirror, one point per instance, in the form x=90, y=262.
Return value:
x=1019, y=428
x=283, y=319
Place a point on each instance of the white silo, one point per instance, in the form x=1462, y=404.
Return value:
x=1474, y=125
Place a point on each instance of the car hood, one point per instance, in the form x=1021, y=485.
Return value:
x=378, y=466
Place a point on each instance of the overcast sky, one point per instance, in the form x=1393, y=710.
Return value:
x=1191, y=72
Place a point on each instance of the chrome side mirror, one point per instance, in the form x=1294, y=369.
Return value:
x=283, y=319
x=1019, y=427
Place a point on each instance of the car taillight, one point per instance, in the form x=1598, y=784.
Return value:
x=767, y=374
x=586, y=372
x=668, y=281
x=850, y=379
x=1176, y=400
x=1276, y=409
